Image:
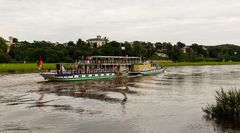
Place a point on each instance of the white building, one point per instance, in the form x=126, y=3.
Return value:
x=97, y=42
x=163, y=55
x=186, y=49
x=9, y=43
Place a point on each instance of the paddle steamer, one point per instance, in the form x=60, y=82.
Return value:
x=101, y=67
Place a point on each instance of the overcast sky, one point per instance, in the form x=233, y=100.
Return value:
x=191, y=21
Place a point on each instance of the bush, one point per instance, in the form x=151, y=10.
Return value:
x=227, y=106
x=3, y=57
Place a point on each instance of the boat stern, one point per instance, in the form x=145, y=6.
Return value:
x=48, y=76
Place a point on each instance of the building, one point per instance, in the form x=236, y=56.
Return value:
x=9, y=43
x=186, y=49
x=163, y=55
x=97, y=42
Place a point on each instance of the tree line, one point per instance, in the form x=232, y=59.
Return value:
x=71, y=51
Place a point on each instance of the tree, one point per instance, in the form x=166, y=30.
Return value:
x=139, y=49
x=82, y=45
x=129, y=49
x=158, y=45
x=150, y=50
x=111, y=49
x=15, y=40
x=3, y=57
x=180, y=45
x=70, y=44
x=69, y=52
x=175, y=53
x=3, y=45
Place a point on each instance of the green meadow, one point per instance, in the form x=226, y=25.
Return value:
x=21, y=67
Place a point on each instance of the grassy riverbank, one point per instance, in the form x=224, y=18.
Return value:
x=21, y=67
x=196, y=63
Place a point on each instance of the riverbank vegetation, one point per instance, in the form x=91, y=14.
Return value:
x=21, y=67
x=23, y=51
x=227, y=106
x=202, y=63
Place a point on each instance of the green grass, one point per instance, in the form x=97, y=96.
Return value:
x=196, y=63
x=21, y=67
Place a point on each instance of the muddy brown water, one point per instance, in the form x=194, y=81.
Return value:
x=169, y=103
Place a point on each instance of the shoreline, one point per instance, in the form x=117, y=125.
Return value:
x=23, y=67
x=195, y=63
x=32, y=67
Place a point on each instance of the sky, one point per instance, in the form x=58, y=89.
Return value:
x=208, y=22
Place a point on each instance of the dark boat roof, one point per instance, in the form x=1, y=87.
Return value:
x=102, y=57
x=116, y=57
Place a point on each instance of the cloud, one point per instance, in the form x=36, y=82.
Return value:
x=200, y=21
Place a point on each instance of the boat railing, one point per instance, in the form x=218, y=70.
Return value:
x=48, y=71
x=107, y=62
x=79, y=71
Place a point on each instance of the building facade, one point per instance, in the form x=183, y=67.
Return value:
x=97, y=42
x=9, y=43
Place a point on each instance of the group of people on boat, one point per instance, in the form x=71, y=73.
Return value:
x=104, y=64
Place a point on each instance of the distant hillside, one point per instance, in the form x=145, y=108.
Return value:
x=227, y=46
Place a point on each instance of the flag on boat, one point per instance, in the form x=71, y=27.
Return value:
x=88, y=58
x=40, y=63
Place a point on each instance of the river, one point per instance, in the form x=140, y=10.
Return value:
x=169, y=103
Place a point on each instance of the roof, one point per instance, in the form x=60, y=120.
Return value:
x=95, y=39
x=119, y=57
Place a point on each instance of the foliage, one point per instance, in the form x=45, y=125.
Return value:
x=3, y=57
x=227, y=106
x=3, y=45
x=21, y=67
x=181, y=45
x=72, y=51
x=3, y=49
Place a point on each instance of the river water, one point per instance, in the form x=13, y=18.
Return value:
x=169, y=103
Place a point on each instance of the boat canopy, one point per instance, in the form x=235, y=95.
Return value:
x=106, y=60
x=114, y=57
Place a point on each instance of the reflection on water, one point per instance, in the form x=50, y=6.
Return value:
x=91, y=90
x=169, y=102
x=98, y=90
x=224, y=125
